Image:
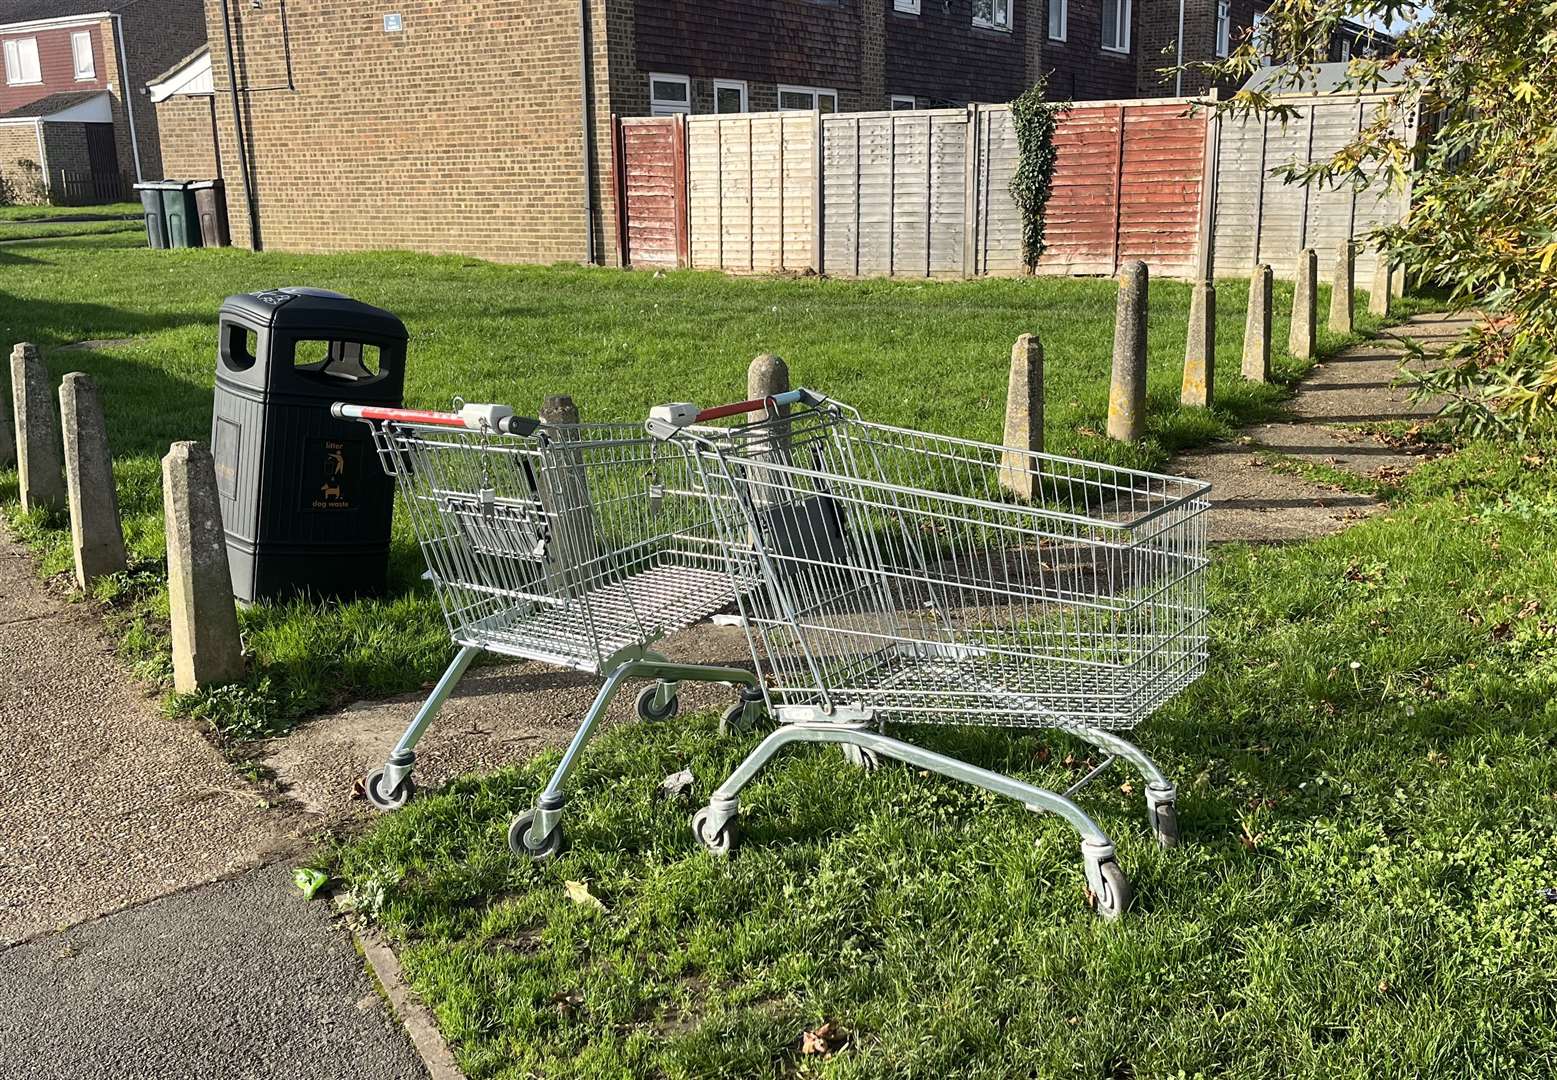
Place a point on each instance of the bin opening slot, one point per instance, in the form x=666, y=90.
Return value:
x=237, y=347
x=351, y=361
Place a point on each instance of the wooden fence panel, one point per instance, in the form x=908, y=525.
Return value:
x=1160, y=180
x=651, y=191
x=1079, y=227
x=999, y=249
x=750, y=195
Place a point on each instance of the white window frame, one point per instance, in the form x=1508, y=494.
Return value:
x=15, y=70
x=82, y=39
x=1346, y=50
x=1123, y=9
x=903, y=102
x=730, y=84
x=667, y=106
x=814, y=91
x=1224, y=27
x=1063, y=8
x=1256, y=36
x=907, y=7
x=994, y=23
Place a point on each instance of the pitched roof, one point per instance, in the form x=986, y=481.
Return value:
x=22, y=11
x=54, y=103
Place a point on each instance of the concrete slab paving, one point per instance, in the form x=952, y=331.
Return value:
x=241, y=979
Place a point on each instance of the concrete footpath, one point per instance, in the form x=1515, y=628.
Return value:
x=197, y=957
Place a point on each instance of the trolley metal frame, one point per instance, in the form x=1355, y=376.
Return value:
x=569, y=544
x=902, y=582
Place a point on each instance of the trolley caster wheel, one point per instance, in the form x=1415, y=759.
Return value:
x=385, y=800
x=645, y=704
x=521, y=842
x=734, y=722
x=861, y=758
x=1109, y=891
x=721, y=843
x=1165, y=824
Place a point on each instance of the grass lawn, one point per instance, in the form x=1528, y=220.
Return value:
x=44, y=213
x=922, y=354
x=1369, y=806
x=53, y=230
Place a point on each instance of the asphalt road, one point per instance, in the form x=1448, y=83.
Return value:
x=240, y=979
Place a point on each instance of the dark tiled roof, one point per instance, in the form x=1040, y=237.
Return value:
x=52, y=104
x=17, y=11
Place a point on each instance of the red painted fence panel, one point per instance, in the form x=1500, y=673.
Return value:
x=652, y=191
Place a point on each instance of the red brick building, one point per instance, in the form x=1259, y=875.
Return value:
x=69, y=130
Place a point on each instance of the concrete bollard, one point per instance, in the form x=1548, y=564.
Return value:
x=566, y=499
x=1127, y=394
x=1256, y=327
x=766, y=376
x=96, y=536
x=1342, y=285
x=1379, y=295
x=1200, y=348
x=40, y=476
x=207, y=650
x=1305, y=306
x=1024, y=418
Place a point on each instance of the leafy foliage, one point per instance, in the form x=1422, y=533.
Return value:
x=1035, y=118
x=1483, y=175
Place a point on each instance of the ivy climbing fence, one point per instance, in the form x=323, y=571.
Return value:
x=926, y=193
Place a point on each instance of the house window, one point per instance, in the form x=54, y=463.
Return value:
x=729, y=96
x=81, y=52
x=1224, y=27
x=1346, y=50
x=994, y=14
x=1116, y=25
x=1059, y=19
x=807, y=98
x=904, y=101
x=669, y=95
x=907, y=7
x=21, y=61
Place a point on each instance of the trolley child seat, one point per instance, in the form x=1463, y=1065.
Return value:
x=900, y=581
x=555, y=543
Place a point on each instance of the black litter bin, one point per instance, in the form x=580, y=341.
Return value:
x=305, y=504
x=211, y=205
x=156, y=219
x=178, y=204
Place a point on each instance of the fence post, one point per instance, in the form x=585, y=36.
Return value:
x=1256, y=328
x=1024, y=417
x=207, y=649
x=1305, y=306
x=1341, y=288
x=1200, y=348
x=1379, y=296
x=39, y=476
x=1127, y=394
x=1210, y=178
x=97, y=539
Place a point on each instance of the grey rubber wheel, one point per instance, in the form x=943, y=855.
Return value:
x=733, y=720
x=861, y=758
x=720, y=843
x=1165, y=824
x=522, y=843
x=383, y=799
x=1112, y=893
x=645, y=704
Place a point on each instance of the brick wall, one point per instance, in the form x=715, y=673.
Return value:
x=56, y=63
x=186, y=134
x=463, y=132
x=1079, y=67
x=1158, y=24
x=157, y=35
x=66, y=147
x=19, y=143
x=941, y=58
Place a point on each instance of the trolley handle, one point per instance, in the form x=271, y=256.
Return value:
x=685, y=413
x=498, y=418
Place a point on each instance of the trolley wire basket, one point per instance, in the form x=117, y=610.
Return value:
x=900, y=580
x=577, y=545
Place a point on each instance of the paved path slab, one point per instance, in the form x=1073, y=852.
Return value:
x=242, y=979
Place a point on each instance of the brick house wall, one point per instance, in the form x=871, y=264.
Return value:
x=157, y=35
x=461, y=132
x=941, y=58
x=186, y=133
x=19, y=143
x=66, y=145
x=1079, y=68
x=56, y=63
x=1158, y=25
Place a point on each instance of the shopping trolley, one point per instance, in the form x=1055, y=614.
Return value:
x=561, y=543
x=901, y=581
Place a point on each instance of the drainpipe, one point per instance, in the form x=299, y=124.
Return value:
x=586, y=103
x=128, y=95
x=43, y=156
x=238, y=138
x=1178, y=75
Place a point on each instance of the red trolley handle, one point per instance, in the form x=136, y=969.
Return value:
x=499, y=418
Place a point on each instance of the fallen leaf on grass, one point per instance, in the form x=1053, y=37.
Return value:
x=1127, y=787
x=825, y=1040
x=675, y=786
x=578, y=892
x=567, y=1000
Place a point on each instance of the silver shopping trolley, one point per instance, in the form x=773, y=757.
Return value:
x=566, y=544
x=901, y=581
